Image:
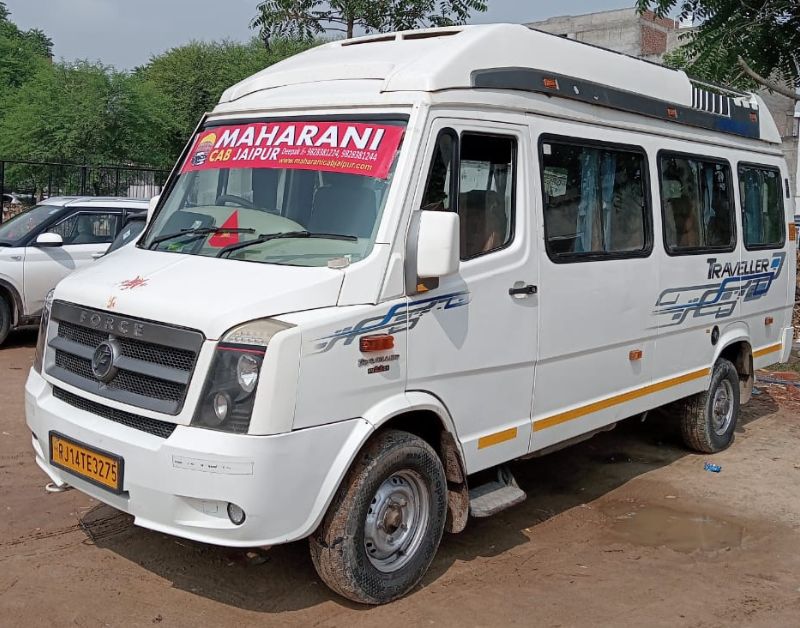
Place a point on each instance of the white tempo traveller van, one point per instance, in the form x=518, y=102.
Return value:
x=392, y=262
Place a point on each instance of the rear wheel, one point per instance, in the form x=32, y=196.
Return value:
x=6, y=314
x=384, y=526
x=708, y=420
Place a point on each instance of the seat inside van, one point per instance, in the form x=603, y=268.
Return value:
x=345, y=206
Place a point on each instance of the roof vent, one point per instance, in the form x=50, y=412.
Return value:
x=430, y=34
x=369, y=40
x=405, y=35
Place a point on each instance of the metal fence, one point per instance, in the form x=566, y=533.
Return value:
x=32, y=181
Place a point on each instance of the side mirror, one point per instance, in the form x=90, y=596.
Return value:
x=49, y=240
x=152, y=206
x=438, y=244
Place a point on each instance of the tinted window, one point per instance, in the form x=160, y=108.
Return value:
x=762, y=207
x=486, y=186
x=595, y=201
x=22, y=225
x=87, y=228
x=439, y=186
x=697, y=207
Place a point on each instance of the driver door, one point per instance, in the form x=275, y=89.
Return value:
x=86, y=236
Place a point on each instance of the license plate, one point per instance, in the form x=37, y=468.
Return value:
x=101, y=468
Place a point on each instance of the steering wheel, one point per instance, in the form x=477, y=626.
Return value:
x=241, y=202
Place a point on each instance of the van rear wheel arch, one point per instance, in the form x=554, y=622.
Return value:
x=740, y=353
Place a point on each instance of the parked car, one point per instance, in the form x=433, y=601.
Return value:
x=130, y=232
x=11, y=199
x=42, y=245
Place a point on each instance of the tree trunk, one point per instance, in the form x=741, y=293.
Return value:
x=350, y=26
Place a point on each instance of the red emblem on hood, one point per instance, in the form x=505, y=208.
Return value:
x=132, y=284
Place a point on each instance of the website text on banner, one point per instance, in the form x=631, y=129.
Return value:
x=352, y=148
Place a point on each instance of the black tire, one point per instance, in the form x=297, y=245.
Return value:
x=6, y=314
x=701, y=428
x=338, y=547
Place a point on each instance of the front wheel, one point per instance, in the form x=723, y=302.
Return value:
x=708, y=419
x=383, y=528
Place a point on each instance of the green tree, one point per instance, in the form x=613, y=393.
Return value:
x=306, y=19
x=22, y=53
x=743, y=43
x=189, y=80
x=84, y=112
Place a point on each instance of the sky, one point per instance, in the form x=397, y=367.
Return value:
x=126, y=34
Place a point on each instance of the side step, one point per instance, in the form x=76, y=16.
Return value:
x=490, y=498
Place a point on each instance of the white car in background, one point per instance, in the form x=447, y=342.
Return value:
x=41, y=246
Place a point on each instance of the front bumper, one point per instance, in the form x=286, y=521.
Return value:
x=182, y=485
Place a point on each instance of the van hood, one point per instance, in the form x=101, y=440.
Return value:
x=208, y=294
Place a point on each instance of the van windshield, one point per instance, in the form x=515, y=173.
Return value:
x=299, y=181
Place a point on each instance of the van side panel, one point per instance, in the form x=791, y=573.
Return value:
x=597, y=347
x=765, y=308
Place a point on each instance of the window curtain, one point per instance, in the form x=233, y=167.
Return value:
x=708, y=202
x=608, y=171
x=589, y=161
x=753, y=203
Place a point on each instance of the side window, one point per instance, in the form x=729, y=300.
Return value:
x=697, y=207
x=486, y=193
x=595, y=201
x=440, y=188
x=88, y=228
x=762, y=207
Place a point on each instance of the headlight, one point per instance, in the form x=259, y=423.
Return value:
x=228, y=396
x=41, y=343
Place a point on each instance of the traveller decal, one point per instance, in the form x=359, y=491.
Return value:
x=347, y=147
x=749, y=280
x=399, y=318
x=378, y=364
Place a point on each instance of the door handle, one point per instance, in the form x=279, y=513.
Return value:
x=523, y=291
x=97, y=255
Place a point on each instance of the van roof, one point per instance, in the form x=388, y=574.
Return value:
x=513, y=56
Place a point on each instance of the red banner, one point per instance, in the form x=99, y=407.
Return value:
x=348, y=147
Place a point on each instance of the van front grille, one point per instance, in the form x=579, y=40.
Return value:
x=153, y=363
x=143, y=424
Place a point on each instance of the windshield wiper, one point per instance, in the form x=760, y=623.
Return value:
x=196, y=233
x=266, y=237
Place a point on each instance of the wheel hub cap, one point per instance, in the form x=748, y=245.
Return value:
x=396, y=520
x=722, y=408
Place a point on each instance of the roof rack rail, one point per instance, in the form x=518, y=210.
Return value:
x=731, y=114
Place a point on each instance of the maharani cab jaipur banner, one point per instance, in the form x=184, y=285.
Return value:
x=347, y=147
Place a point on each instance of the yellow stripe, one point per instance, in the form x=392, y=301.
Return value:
x=569, y=415
x=496, y=439
x=767, y=350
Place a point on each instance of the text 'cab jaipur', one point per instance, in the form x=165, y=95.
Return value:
x=386, y=267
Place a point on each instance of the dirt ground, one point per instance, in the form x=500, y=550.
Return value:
x=624, y=530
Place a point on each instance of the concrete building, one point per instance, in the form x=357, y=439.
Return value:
x=623, y=30
x=650, y=37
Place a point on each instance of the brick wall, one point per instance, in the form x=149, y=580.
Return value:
x=665, y=22
x=653, y=41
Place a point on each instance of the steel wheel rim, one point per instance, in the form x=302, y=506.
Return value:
x=722, y=408
x=396, y=520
